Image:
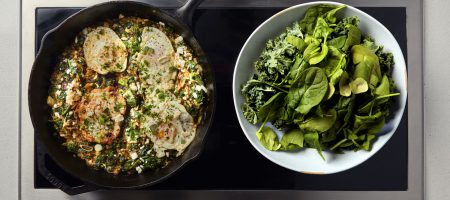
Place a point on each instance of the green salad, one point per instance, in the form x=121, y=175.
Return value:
x=322, y=83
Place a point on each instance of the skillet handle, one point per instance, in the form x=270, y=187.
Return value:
x=185, y=12
x=55, y=181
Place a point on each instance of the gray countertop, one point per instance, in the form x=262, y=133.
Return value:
x=436, y=73
x=9, y=99
x=437, y=101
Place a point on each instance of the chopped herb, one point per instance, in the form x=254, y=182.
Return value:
x=173, y=69
x=118, y=106
x=148, y=50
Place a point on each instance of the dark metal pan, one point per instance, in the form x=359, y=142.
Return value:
x=53, y=45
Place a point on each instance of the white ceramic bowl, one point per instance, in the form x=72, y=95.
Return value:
x=307, y=160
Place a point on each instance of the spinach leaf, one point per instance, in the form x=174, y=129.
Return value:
x=322, y=30
x=376, y=127
x=337, y=42
x=344, y=108
x=344, y=85
x=309, y=20
x=335, y=77
x=299, y=66
x=383, y=88
x=297, y=42
x=292, y=140
x=335, y=60
x=312, y=49
x=363, y=122
x=368, y=107
x=312, y=139
x=316, y=58
x=366, y=144
x=268, y=139
x=319, y=123
x=367, y=70
x=353, y=38
x=331, y=15
x=268, y=111
x=359, y=85
x=308, y=91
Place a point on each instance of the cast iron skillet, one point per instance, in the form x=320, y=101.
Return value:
x=53, y=45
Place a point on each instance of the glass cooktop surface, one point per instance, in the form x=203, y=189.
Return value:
x=229, y=161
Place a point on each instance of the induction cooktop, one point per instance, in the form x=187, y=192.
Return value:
x=229, y=161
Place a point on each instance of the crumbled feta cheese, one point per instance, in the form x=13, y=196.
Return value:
x=89, y=113
x=159, y=152
x=161, y=23
x=98, y=147
x=133, y=86
x=200, y=87
x=133, y=155
x=118, y=118
x=180, y=49
x=71, y=94
x=133, y=113
x=139, y=169
x=194, y=94
x=178, y=39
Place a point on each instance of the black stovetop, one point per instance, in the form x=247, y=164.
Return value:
x=229, y=161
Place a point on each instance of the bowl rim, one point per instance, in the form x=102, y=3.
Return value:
x=309, y=4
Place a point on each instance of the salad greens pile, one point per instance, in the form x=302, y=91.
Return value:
x=322, y=82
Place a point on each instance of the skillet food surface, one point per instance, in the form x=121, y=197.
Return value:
x=127, y=95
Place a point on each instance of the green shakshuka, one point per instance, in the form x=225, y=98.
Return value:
x=127, y=95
